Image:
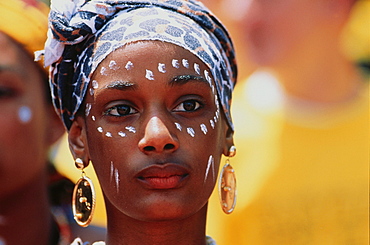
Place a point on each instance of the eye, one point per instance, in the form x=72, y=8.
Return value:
x=120, y=110
x=188, y=105
x=6, y=92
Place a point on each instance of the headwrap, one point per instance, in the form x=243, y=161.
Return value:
x=24, y=22
x=84, y=32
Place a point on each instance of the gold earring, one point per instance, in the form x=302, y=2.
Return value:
x=227, y=185
x=83, y=199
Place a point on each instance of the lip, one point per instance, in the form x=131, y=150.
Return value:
x=163, y=176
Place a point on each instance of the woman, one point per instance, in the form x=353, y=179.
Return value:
x=143, y=87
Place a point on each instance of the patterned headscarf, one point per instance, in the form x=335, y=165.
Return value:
x=84, y=32
x=26, y=22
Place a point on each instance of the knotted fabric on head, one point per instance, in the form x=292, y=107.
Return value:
x=26, y=23
x=84, y=32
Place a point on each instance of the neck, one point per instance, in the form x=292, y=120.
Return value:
x=25, y=215
x=125, y=230
x=319, y=74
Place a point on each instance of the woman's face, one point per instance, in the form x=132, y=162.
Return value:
x=154, y=131
x=25, y=132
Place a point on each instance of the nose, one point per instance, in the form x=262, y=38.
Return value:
x=157, y=138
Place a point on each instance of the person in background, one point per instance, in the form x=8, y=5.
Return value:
x=35, y=200
x=302, y=126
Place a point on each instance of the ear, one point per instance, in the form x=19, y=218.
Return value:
x=229, y=139
x=55, y=125
x=77, y=139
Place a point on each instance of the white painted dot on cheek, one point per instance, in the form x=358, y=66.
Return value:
x=185, y=63
x=197, y=68
x=149, y=75
x=103, y=71
x=162, y=68
x=210, y=162
x=122, y=134
x=108, y=134
x=91, y=91
x=212, y=123
x=204, y=128
x=113, y=65
x=116, y=177
x=175, y=63
x=100, y=129
x=24, y=114
x=178, y=126
x=129, y=65
x=93, y=118
x=95, y=84
x=131, y=129
x=191, y=132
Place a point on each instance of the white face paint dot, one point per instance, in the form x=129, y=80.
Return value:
x=87, y=109
x=91, y=91
x=131, y=129
x=197, y=68
x=175, y=63
x=108, y=134
x=103, y=71
x=204, y=128
x=191, y=132
x=185, y=63
x=162, y=68
x=95, y=84
x=122, y=134
x=93, y=118
x=113, y=65
x=178, y=126
x=24, y=114
x=212, y=123
x=129, y=65
x=100, y=129
x=149, y=75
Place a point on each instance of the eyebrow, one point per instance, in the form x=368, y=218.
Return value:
x=182, y=79
x=121, y=85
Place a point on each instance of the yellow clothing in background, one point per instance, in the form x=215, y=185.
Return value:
x=302, y=170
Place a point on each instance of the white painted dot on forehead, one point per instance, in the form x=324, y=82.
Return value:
x=215, y=119
x=113, y=65
x=103, y=71
x=131, y=129
x=100, y=129
x=24, y=114
x=161, y=68
x=129, y=65
x=122, y=134
x=175, y=63
x=197, y=68
x=212, y=123
x=178, y=126
x=191, y=132
x=204, y=129
x=149, y=75
x=185, y=63
x=95, y=84
x=87, y=109
x=211, y=162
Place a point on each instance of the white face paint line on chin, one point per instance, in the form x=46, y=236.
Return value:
x=113, y=65
x=197, y=68
x=131, y=129
x=191, y=132
x=210, y=162
x=129, y=65
x=204, y=129
x=111, y=171
x=178, y=126
x=149, y=75
x=24, y=114
x=175, y=63
x=161, y=68
x=185, y=63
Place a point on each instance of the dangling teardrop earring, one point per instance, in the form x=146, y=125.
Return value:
x=227, y=185
x=83, y=199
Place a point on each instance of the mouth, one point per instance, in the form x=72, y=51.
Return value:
x=162, y=177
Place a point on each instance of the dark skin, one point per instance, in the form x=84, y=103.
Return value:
x=156, y=178
x=25, y=138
